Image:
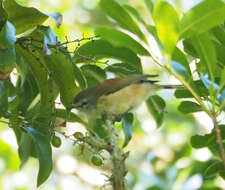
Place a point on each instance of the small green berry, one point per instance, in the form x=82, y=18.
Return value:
x=96, y=160
x=56, y=141
x=78, y=135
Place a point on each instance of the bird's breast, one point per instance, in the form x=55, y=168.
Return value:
x=125, y=99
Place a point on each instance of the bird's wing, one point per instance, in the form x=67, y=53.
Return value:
x=113, y=85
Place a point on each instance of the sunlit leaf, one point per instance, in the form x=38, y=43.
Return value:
x=179, y=57
x=149, y=4
x=180, y=70
x=202, y=17
x=9, y=158
x=120, y=39
x=134, y=13
x=112, y=8
x=23, y=18
x=197, y=85
x=99, y=49
x=213, y=87
x=206, y=52
x=166, y=20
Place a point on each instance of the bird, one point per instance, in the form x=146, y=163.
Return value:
x=114, y=97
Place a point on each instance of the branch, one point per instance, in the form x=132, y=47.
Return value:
x=219, y=141
x=118, y=158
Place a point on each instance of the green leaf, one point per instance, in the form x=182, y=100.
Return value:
x=68, y=116
x=180, y=70
x=99, y=49
x=156, y=106
x=152, y=30
x=189, y=48
x=199, y=88
x=198, y=141
x=22, y=68
x=50, y=37
x=27, y=92
x=93, y=74
x=120, y=15
x=120, y=39
x=3, y=15
x=179, y=57
x=127, y=121
x=219, y=33
x=213, y=170
x=41, y=77
x=213, y=87
x=149, y=4
x=166, y=20
x=222, y=79
x=121, y=69
x=8, y=59
x=44, y=151
x=62, y=73
x=7, y=36
x=220, y=49
x=206, y=52
x=3, y=98
x=202, y=17
x=23, y=18
x=26, y=148
x=79, y=76
x=135, y=13
x=189, y=107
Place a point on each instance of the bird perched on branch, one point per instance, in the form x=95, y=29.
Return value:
x=114, y=97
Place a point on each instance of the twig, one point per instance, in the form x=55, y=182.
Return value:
x=219, y=140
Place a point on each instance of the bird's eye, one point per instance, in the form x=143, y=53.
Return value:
x=84, y=104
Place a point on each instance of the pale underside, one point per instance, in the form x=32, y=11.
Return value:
x=126, y=99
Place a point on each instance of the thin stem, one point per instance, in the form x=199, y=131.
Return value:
x=196, y=96
x=219, y=141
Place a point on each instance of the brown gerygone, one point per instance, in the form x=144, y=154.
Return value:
x=114, y=97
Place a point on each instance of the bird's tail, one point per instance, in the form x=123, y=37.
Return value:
x=171, y=86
